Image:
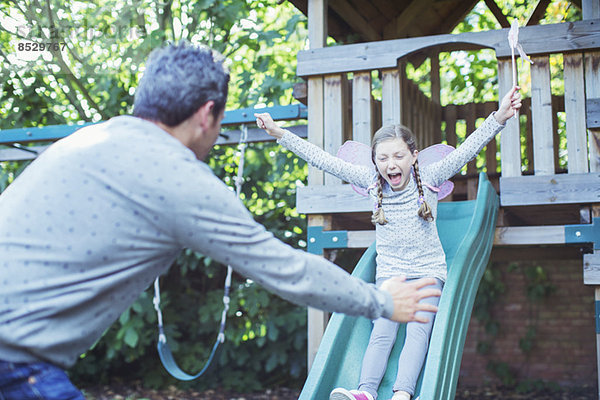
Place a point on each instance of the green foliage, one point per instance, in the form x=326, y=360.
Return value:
x=9, y=171
x=527, y=342
x=528, y=386
x=490, y=289
x=503, y=371
x=537, y=289
x=106, y=44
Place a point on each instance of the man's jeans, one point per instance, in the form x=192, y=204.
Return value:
x=35, y=381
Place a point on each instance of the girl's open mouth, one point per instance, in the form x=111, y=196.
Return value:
x=395, y=179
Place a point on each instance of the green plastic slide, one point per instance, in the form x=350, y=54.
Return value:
x=466, y=229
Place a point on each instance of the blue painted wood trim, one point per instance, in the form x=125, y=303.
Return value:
x=584, y=233
x=318, y=240
x=246, y=115
x=37, y=134
x=598, y=316
x=233, y=117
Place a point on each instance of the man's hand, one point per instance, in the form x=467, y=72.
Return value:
x=406, y=296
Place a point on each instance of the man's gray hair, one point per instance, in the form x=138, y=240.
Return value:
x=178, y=80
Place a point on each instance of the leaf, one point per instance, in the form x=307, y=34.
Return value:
x=124, y=318
x=131, y=337
x=272, y=362
x=272, y=333
x=137, y=307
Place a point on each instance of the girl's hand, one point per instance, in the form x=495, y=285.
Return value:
x=264, y=121
x=509, y=106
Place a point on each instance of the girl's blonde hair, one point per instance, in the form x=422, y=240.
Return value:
x=389, y=132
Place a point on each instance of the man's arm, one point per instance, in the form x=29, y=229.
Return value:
x=219, y=226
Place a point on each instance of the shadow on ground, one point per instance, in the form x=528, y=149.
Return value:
x=136, y=392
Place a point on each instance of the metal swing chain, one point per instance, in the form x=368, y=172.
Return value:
x=238, y=181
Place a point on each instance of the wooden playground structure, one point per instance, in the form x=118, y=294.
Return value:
x=352, y=89
x=542, y=203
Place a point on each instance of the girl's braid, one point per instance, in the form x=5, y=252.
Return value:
x=378, y=216
x=424, y=209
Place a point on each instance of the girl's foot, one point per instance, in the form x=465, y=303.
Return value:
x=343, y=394
x=401, y=395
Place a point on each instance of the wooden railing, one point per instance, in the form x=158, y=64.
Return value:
x=537, y=182
x=330, y=99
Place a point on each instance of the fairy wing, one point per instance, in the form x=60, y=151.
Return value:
x=432, y=154
x=360, y=154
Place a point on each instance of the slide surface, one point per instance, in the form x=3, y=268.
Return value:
x=466, y=229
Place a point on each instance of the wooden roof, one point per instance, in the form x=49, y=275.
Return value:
x=352, y=21
x=355, y=21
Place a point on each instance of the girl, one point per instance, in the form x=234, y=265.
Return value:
x=406, y=234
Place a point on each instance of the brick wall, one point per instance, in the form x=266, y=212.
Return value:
x=564, y=350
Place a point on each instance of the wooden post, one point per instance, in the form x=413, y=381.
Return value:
x=317, y=23
x=334, y=107
x=471, y=165
x=316, y=319
x=390, y=97
x=591, y=10
x=434, y=76
x=510, y=139
x=315, y=123
x=362, y=108
x=317, y=34
x=450, y=118
x=418, y=120
x=575, y=113
x=592, y=90
x=541, y=112
x=528, y=135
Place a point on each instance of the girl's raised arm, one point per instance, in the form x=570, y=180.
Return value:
x=355, y=174
x=450, y=165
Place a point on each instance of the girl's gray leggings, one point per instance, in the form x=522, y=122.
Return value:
x=411, y=358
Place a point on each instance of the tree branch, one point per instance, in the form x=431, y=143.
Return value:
x=31, y=15
x=14, y=34
x=538, y=13
x=497, y=11
x=70, y=76
x=73, y=100
x=16, y=73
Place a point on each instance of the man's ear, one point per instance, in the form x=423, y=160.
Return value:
x=204, y=115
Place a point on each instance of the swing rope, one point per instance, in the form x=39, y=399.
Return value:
x=164, y=351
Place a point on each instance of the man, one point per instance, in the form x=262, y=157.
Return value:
x=90, y=224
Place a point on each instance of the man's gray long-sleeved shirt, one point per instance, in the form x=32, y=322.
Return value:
x=90, y=224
